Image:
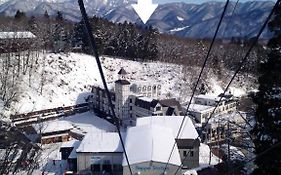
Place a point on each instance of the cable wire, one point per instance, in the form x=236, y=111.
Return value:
x=244, y=59
x=197, y=82
x=239, y=68
x=93, y=45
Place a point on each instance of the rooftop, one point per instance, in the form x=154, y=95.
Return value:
x=16, y=35
x=208, y=96
x=122, y=71
x=199, y=108
x=123, y=82
x=70, y=144
x=173, y=122
x=100, y=142
x=53, y=126
x=150, y=143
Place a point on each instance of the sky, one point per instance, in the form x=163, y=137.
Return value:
x=198, y=1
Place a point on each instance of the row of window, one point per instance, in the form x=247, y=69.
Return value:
x=144, y=88
x=188, y=153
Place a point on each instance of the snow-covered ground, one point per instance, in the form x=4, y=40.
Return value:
x=67, y=80
x=235, y=153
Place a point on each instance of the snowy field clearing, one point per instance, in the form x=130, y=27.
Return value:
x=66, y=79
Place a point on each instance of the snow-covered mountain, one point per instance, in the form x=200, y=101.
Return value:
x=189, y=20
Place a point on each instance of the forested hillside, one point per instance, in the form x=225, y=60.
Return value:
x=125, y=41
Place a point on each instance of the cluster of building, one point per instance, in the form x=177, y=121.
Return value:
x=148, y=146
x=132, y=101
x=212, y=113
x=150, y=127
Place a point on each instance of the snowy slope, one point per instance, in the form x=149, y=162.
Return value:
x=67, y=80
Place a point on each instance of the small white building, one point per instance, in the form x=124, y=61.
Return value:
x=204, y=105
x=148, y=148
x=187, y=140
x=100, y=152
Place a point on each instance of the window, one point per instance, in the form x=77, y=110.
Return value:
x=149, y=88
x=107, y=167
x=184, y=153
x=131, y=108
x=158, y=108
x=144, y=88
x=191, y=153
x=95, y=167
x=131, y=100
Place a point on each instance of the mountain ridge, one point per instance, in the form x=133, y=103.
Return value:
x=178, y=18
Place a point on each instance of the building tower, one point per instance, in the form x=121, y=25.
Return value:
x=122, y=90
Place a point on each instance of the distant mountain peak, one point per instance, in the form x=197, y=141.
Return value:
x=172, y=18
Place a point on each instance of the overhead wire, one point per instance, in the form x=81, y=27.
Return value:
x=244, y=59
x=93, y=45
x=197, y=82
x=239, y=67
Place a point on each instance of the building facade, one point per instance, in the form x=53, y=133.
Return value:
x=133, y=100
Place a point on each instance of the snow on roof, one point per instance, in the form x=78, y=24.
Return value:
x=208, y=96
x=97, y=142
x=16, y=35
x=199, y=108
x=53, y=126
x=173, y=122
x=71, y=143
x=89, y=122
x=146, y=99
x=150, y=143
x=73, y=154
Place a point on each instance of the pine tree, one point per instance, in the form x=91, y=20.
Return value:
x=19, y=15
x=46, y=15
x=59, y=16
x=267, y=130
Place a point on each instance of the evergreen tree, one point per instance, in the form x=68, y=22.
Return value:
x=46, y=15
x=267, y=130
x=59, y=16
x=19, y=15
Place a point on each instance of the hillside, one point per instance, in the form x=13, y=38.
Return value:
x=66, y=79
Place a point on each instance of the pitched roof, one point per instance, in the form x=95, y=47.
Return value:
x=16, y=35
x=150, y=143
x=97, y=142
x=123, y=82
x=188, y=130
x=146, y=103
x=122, y=72
x=170, y=103
x=52, y=126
